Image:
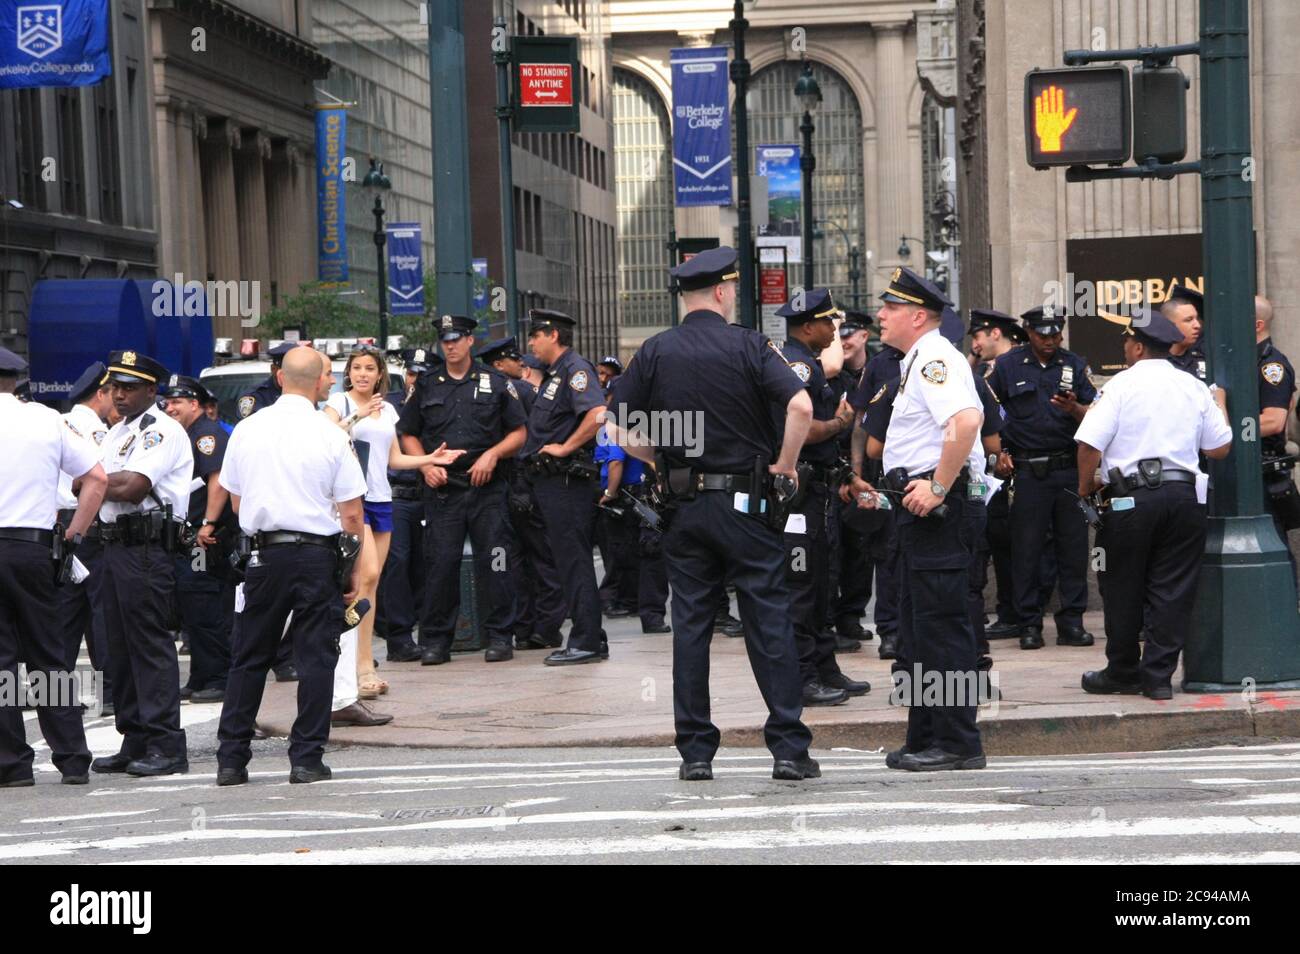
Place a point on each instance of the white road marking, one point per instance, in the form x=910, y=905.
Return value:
x=92, y=816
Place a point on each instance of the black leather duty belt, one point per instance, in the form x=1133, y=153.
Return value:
x=289, y=538
x=28, y=535
x=1172, y=476
x=407, y=493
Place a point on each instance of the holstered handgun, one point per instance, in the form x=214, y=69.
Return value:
x=1117, y=483
x=63, y=552
x=898, y=479
x=349, y=550
x=239, y=556
x=1089, y=506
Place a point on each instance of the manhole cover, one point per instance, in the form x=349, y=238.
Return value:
x=1088, y=797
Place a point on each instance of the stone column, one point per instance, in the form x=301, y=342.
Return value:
x=303, y=162
x=219, y=211
x=250, y=202
x=171, y=194
x=191, y=127
x=288, y=224
x=893, y=180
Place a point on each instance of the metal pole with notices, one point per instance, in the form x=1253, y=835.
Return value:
x=807, y=163
x=381, y=240
x=501, y=56
x=744, y=226
x=451, y=213
x=671, y=246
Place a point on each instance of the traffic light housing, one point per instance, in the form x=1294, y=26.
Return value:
x=1159, y=114
x=1078, y=116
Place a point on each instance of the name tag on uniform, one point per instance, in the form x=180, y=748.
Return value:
x=796, y=523
x=742, y=504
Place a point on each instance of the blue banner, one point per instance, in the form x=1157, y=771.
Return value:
x=331, y=204
x=779, y=164
x=701, y=127
x=53, y=43
x=405, y=269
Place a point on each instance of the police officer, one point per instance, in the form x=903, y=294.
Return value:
x=614, y=535
x=81, y=606
x=722, y=528
x=205, y=591
x=470, y=407
x=401, y=583
x=1149, y=422
x=39, y=447
x=993, y=334
x=1276, y=395
x=565, y=418
x=1045, y=390
x=1185, y=307
x=809, y=318
x=539, y=597
x=268, y=392
x=149, y=463
x=930, y=462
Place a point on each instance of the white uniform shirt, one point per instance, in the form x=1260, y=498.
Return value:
x=379, y=436
x=290, y=464
x=154, y=445
x=1153, y=410
x=38, y=447
x=85, y=423
x=936, y=383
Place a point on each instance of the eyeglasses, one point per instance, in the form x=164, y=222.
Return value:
x=367, y=349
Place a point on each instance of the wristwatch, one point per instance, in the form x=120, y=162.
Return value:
x=938, y=489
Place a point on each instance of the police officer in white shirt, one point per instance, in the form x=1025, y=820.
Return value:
x=38, y=448
x=1144, y=432
x=928, y=454
x=81, y=605
x=148, y=460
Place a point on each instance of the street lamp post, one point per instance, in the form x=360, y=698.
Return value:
x=809, y=95
x=744, y=227
x=379, y=183
x=854, y=274
x=905, y=250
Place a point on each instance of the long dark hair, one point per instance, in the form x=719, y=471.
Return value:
x=366, y=351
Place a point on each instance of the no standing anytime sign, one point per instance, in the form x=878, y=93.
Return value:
x=545, y=73
x=545, y=84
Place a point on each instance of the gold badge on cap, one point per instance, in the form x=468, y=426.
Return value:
x=898, y=273
x=128, y=358
x=446, y=322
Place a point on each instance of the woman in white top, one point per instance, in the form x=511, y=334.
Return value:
x=361, y=410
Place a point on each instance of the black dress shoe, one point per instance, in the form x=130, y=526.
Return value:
x=853, y=687
x=111, y=764
x=405, y=653
x=303, y=775
x=652, y=629
x=286, y=674
x=615, y=611
x=1102, y=683
x=538, y=641
x=574, y=657
x=853, y=630
x=208, y=695
x=499, y=652
x=1071, y=636
x=435, y=656
x=186, y=692
x=696, y=772
x=1001, y=630
x=152, y=765
x=27, y=781
x=1031, y=639
x=845, y=645
x=1159, y=692
x=76, y=778
x=888, y=647
x=816, y=694
x=894, y=759
x=935, y=759
x=728, y=625
x=796, y=770
x=232, y=776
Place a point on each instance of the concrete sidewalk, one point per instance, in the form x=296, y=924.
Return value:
x=628, y=701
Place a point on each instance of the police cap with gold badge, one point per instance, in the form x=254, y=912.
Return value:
x=11, y=365
x=184, y=386
x=132, y=367
x=986, y=319
x=1044, y=319
x=493, y=350
x=419, y=360
x=544, y=319
x=813, y=305
x=705, y=269
x=454, y=327
x=854, y=321
x=908, y=288
x=1149, y=326
x=92, y=379
x=1180, y=292
x=279, y=351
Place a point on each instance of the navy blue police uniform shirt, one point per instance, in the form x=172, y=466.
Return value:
x=882, y=367
x=402, y=478
x=1276, y=385
x=527, y=395
x=208, y=443
x=728, y=374
x=264, y=395
x=805, y=364
x=1026, y=388
x=568, y=392
x=473, y=413
x=842, y=386
x=881, y=408
x=1193, y=362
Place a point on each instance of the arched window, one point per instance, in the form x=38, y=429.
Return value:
x=774, y=117
x=644, y=188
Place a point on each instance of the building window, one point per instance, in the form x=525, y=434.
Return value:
x=72, y=193
x=27, y=139
x=106, y=152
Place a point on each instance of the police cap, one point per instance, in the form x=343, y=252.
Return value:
x=1044, y=319
x=1149, y=326
x=986, y=319
x=854, y=321
x=454, y=327
x=705, y=269
x=1181, y=292
x=184, y=386
x=908, y=288
x=494, y=350
x=11, y=365
x=279, y=351
x=131, y=367
x=544, y=319
x=92, y=379
x=812, y=305
x=418, y=359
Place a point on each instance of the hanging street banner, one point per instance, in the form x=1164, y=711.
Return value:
x=405, y=269
x=331, y=205
x=779, y=164
x=701, y=126
x=53, y=44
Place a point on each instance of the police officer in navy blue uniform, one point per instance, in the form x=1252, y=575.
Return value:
x=809, y=536
x=565, y=418
x=401, y=583
x=721, y=527
x=1185, y=307
x=1045, y=390
x=205, y=591
x=1277, y=388
x=268, y=392
x=473, y=408
x=539, y=597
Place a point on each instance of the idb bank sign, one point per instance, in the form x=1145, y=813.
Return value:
x=701, y=127
x=53, y=44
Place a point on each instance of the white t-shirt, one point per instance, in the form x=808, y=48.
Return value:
x=936, y=384
x=378, y=435
x=38, y=447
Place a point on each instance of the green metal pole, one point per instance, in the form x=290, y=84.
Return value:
x=744, y=229
x=1246, y=630
x=506, y=172
x=451, y=216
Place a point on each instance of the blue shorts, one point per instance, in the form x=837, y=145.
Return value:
x=379, y=516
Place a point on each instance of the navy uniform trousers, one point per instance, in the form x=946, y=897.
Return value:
x=1153, y=557
x=450, y=515
x=569, y=513
x=539, y=597
x=207, y=609
x=290, y=578
x=851, y=568
x=808, y=557
x=998, y=537
x=710, y=544
x=401, y=582
x=81, y=614
x=28, y=600
x=935, y=555
x=652, y=577
x=1042, y=504
x=885, y=543
x=139, y=585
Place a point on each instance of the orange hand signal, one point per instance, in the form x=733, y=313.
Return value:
x=1050, y=118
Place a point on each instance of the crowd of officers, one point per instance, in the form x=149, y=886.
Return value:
x=826, y=475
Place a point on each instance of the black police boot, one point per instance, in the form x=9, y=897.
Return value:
x=286, y=674
x=845, y=645
x=232, y=776
x=1102, y=683
x=796, y=770
x=816, y=694
x=111, y=764
x=1001, y=630
x=1158, y=692
x=499, y=651
x=888, y=646
x=853, y=687
x=404, y=652
x=615, y=611
x=302, y=774
x=1072, y=636
x=152, y=765
x=728, y=625
x=538, y=641
x=894, y=759
x=935, y=759
x=1031, y=638
x=653, y=628
x=852, y=629
x=696, y=772
x=435, y=656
